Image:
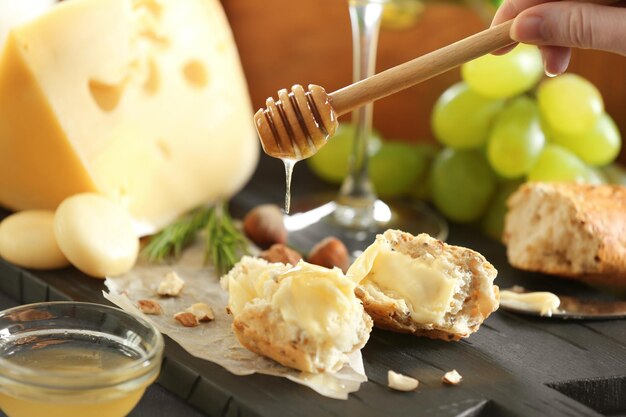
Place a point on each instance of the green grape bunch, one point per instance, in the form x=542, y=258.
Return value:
x=503, y=124
x=528, y=127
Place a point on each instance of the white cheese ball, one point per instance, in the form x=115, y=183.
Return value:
x=96, y=235
x=27, y=240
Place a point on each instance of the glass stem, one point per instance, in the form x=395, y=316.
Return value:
x=356, y=197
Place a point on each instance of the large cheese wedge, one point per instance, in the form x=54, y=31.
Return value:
x=143, y=101
x=14, y=12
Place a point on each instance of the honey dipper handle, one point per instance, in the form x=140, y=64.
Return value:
x=420, y=69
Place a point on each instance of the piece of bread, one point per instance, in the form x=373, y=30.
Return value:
x=423, y=286
x=567, y=229
x=305, y=317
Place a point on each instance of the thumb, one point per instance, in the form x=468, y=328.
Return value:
x=573, y=24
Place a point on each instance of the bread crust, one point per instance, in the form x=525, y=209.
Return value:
x=259, y=332
x=595, y=214
x=254, y=333
x=388, y=316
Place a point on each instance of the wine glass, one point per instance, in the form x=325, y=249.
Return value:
x=356, y=214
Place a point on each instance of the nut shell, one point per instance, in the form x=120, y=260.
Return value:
x=264, y=225
x=330, y=252
x=282, y=253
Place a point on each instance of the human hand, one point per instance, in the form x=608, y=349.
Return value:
x=557, y=26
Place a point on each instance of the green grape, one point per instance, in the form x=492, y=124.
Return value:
x=461, y=118
x=570, y=104
x=331, y=163
x=595, y=176
x=598, y=146
x=462, y=184
x=401, y=14
x=556, y=163
x=614, y=174
x=516, y=139
x=493, y=221
x=427, y=152
x=394, y=169
x=506, y=75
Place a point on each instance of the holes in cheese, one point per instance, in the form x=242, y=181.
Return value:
x=151, y=6
x=106, y=96
x=164, y=148
x=195, y=73
x=151, y=85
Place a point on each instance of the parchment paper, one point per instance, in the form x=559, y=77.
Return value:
x=215, y=341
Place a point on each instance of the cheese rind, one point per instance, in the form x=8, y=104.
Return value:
x=142, y=101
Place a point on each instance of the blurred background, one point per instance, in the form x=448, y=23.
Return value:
x=284, y=42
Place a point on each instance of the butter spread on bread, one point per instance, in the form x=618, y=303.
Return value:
x=420, y=285
x=305, y=317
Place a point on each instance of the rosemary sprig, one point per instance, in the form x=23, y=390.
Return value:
x=224, y=243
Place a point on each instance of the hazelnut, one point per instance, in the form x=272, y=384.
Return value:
x=330, y=252
x=279, y=252
x=264, y=225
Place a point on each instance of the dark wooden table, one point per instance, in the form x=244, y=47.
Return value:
x=514, y=366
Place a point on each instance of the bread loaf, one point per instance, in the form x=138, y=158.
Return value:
x=571, y=230
x=420, y=285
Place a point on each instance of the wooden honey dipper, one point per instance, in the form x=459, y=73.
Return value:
x=300, y=122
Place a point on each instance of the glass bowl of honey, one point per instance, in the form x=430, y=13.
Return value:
x=72, y=359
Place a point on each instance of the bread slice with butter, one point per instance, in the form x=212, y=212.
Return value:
x=420, y=285
x=305, y=317
x=572, y=230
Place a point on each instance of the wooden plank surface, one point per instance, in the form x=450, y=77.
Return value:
x=509, y=366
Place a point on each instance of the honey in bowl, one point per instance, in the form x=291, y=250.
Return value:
x=75, y=359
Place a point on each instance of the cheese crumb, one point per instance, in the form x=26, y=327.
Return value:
x=171, y=285
x=452, y=377
x=401, y=382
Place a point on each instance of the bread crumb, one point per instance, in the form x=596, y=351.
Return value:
x=171, y=285
x=452, y=377
x=150, y=307
x=202, y=312
x=401, y=382
x=186, y=318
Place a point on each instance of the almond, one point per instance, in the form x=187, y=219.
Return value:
x=452, y=377
x=150, y=307
x=186, y=318
x=401, y=382
x=202, y=312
